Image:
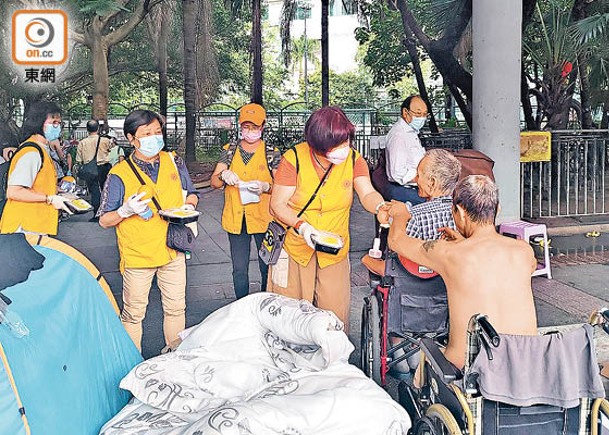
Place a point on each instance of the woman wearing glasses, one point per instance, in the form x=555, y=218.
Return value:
x=32, y=202
x=404, y=151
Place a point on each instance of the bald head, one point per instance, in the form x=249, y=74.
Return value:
x=479, y=197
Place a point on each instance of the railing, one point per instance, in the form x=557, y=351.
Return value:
x=573, y=183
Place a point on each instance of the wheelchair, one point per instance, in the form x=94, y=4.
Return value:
x=408, y=302
x=493, y=396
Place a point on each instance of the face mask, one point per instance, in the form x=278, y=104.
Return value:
x=338, y=156
x=251, y=136
x=52, y=132
x=417, y=123
x=150, y=146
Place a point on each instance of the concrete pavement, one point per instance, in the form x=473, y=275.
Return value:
x=578, y=287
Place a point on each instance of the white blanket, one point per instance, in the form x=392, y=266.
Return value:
x=262, y=365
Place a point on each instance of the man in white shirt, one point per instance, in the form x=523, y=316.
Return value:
x=404, y=151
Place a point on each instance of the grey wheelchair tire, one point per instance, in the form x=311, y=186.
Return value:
x=371, y=339
x=438, y=420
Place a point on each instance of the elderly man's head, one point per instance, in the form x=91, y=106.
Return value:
x=476, y=201
x=437, y=173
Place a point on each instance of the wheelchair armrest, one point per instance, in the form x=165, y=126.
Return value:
x=438, y=361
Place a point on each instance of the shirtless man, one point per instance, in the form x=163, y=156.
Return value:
x=484, y=272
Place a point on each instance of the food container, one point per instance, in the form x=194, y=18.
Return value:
x=79, y=206
x=327, y=242
x=179, y=216
x=246, y=194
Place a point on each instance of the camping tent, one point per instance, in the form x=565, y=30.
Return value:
x=63, y=377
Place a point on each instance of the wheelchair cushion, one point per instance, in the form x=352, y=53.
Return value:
x=416, y=269
x=555, y=369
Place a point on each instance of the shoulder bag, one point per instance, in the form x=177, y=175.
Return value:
x=274, y=237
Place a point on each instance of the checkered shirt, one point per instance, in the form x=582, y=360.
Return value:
x=429, y=216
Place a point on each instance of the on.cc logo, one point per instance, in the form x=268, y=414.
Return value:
x=40, y=37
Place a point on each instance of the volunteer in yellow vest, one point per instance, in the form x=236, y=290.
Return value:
x=32, y=202
x=244, y=170
x=320, y=277
x=141, y=238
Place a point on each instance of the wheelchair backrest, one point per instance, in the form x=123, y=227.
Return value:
x=556, y=369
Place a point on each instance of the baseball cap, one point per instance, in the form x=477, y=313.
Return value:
x=253, y=113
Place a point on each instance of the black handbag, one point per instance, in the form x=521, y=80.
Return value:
x=179, y=236
x=274, y=237
x=88, y=171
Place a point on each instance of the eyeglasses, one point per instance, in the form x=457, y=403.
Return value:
x=419, y=114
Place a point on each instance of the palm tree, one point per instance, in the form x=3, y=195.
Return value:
x=325, y=67
x=189, y=30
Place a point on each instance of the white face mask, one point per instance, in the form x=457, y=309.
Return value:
x=338, y=156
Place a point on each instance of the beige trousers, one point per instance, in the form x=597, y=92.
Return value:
x=171, y=279
x=328, y=288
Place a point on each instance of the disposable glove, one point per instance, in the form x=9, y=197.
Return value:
x=307, y=231
x=229, y=177
x=259, y=187
x=188, y=207
x=59, y=202
x=134, y=205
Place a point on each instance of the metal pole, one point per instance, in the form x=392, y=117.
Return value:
x=306, y=61
x=496, y=31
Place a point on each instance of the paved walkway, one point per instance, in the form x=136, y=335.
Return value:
x=577, y=287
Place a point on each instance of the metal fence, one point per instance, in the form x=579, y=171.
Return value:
x=573, y=182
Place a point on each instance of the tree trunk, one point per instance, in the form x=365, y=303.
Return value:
x=101, y=80
x=441, y=52
x=584, y=93
x=256, y=49
x=325, y=66
x=189, y=9
x=411, y=47
x=525, y=100
x=465, y=110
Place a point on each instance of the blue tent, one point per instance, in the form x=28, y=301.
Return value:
x=63, y=378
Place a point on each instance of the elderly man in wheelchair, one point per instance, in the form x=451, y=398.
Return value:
x=407, y=301
x=519, y=382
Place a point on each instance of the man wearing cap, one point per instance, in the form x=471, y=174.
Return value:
x=245, y=170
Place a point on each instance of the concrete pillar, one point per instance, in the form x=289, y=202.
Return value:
x=496, y=30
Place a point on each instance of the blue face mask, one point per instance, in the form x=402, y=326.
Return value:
x=52, y=132
x=417, y=123
x=150, y=146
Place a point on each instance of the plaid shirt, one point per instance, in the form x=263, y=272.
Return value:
x=429, y=216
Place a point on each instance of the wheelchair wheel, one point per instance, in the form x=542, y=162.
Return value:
x=371, y=339
x=438, y=420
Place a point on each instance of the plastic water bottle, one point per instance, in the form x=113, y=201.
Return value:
x=146, y=214
x=11, y=320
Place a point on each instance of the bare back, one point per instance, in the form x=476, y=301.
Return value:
x=488, y=274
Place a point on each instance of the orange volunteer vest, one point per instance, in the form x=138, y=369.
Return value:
x=143, y=244
x=35, y=217
x=329, y=211
x=257, y=215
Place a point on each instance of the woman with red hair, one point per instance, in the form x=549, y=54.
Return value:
x=328, y=160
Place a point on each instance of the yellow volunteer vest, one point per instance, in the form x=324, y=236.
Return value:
x=36, y=217
x=257, y=215
x=329, y=211
x=143, y=244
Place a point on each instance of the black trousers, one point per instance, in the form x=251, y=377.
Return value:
x=240, y=256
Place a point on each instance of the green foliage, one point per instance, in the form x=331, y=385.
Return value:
x=348, y=89
x=385, y=53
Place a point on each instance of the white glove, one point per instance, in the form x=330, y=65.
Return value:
x=259, y=187
x=134, y=205
x=306, y=231
x=229, y=177
x=59, y=202
x=189, y=207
